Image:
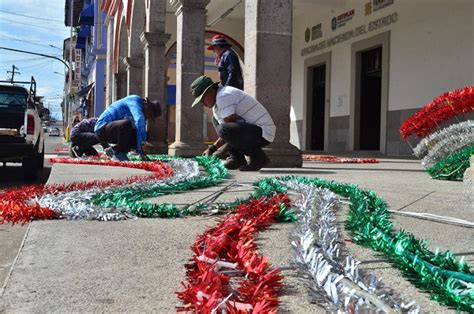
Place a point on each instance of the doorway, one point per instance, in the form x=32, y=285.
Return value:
x=315, y=127
x=370, y=99
x=369, y=93
x=318, y=105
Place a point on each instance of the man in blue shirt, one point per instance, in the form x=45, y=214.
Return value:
x=83, y=138
x=124, y=123
x=227, y=62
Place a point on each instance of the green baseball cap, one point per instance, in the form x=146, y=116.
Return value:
x=199, y=88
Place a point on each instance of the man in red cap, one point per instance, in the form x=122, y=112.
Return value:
x=227, y=62
x=230, y=74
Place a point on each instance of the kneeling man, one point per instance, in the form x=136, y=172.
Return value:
x=242, y=122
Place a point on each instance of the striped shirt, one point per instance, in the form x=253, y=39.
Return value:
x=230, y=100
x=84, y=126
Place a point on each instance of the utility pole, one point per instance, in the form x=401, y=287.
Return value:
x=13, y=73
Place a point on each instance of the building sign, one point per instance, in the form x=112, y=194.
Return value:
x=316, y=32
x=77, y=66
x=375, y=5
x=342, y=19
x=380, y=4
x=358, y=31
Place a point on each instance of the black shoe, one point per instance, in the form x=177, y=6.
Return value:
x=76, y=152
x=255, y=165
x=232, y=164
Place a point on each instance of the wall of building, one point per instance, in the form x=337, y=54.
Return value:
x=431, y=51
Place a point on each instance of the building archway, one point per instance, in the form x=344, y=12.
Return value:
x=210, y=69
x=122, y=53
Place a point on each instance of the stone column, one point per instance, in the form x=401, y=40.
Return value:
x=134, y=66
x=191, y=24
x=109, y=75
x=267, y=75
x=154, y=86
x=154, y=41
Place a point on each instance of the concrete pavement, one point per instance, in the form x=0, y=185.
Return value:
x=137, y=265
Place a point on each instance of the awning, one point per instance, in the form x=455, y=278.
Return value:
x=85, y=90
x=85, y=31
x=82, y=37
x=87, y=16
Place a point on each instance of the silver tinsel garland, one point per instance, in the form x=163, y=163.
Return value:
x=446, y=147
x=335, y=280
x=78, y=204
x=458, y=129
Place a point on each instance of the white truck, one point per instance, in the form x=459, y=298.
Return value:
x=21, y=133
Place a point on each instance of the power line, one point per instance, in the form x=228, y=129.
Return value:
x=24, y=41
x=21, y=60
x=37, y=65
x=31, y=17
x=29, y=24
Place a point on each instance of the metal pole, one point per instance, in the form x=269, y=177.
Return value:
x=68, y=118
x=36, y=54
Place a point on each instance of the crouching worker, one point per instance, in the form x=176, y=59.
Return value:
x=124, y=123
x=243, y=123
x=83, y=138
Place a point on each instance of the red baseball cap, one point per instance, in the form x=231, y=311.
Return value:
x=218, y=40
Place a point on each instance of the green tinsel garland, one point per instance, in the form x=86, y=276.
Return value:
x=453, y=167
x=369, y=224
x=130, y=198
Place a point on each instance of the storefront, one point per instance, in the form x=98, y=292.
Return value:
x=360, y=69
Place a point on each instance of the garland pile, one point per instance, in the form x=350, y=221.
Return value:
x=341, y=160
x=444, y=152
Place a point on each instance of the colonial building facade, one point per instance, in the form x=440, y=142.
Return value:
x=336, y=75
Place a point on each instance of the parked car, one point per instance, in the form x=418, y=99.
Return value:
x=54, y=131
x=21, y=133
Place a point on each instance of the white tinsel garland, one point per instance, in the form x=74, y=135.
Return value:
x=78, y=204
x=335, y=280
x=427, y=143
x=446, y=147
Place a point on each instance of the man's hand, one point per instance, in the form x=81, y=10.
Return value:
x=146, y=147
x=210, y=150
x=144, y=157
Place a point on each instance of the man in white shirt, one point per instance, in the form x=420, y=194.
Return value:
x=243, y=123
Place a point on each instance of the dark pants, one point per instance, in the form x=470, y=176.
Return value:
x=85, y=141
x=244, y=139
x=120, y=132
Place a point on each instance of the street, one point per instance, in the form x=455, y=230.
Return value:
x=12, y=176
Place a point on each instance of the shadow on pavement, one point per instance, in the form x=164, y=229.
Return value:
x=12, y=176
x=302, y=170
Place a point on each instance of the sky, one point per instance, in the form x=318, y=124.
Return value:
x=34, y=25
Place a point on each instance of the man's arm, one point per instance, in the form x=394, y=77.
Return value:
x=136, y=110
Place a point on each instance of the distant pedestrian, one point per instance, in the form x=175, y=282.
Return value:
x=227, y=62
x=244, y=124
x=83, y=138
x=124, y=123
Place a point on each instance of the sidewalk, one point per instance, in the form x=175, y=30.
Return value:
x=138, y=265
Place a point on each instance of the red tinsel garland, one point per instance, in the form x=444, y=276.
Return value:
x=441, y=109
x=341, y=160
x=61, y=149
x=231, y=246
x=18, y=205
